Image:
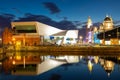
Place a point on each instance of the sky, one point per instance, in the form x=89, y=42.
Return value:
x=57, y=10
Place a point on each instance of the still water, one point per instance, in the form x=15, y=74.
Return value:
x=36, y=66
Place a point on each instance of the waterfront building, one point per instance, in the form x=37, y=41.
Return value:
x=108, y=33
x=66, y=37
x=7, y=36
x=36, y=33
x=95, y=39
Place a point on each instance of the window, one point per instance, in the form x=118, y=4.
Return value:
x=25, y=29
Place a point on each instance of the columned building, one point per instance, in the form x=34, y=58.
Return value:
x=107, y=24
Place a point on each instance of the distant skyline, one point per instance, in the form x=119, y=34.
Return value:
x=57, y=10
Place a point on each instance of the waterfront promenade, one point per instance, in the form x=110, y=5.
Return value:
x=78, y=50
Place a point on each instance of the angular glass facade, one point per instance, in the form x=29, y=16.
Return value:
x=25, y=29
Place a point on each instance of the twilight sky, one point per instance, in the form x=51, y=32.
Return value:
x=57, y=10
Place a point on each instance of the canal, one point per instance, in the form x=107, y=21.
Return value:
x=40, y=66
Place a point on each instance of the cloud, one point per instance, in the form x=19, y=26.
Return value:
x=5, y=20
x=52, y=7
x=64, y=24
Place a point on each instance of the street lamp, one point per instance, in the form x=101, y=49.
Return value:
x=14, y=65
x=81, y=39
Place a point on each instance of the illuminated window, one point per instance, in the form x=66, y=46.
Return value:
x=107, y=42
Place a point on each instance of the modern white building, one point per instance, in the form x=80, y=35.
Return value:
x=35, y=33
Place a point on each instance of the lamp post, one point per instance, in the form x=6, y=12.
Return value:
x=14, y=65
x=81, y=40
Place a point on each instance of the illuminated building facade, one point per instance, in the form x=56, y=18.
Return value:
x=88, y=31
x=109, y=35
x=7, y=36
x=95, y=38
x=31, y=33
x=36, y=33
x=66, y=37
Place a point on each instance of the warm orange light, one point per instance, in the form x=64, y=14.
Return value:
x=13, y=62
x=13, y=39
x=18, y=57
x=90, y=65
x=81, y=37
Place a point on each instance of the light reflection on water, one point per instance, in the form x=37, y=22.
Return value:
x=36, y=66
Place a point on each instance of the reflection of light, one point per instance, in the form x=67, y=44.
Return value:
x=109, y=66
x=10, y=57
x=61, y=57
x=53, y=62
x=72, y=59
x=13, y=39
x=18, y=57
x=24, y=61
x=18, y=43
x=81, y=57
x=13, y=62
x=118, y=58
x=90, y=65
x=102, y=62
x=49, y=64
x=96, y=59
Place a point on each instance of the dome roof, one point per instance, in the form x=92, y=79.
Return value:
x=107, y=19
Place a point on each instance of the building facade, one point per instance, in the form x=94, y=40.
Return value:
x=108, y=33
x=7, y=36
x=88, y=31
x=36, y=33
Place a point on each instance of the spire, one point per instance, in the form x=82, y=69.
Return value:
x=107, y=15
x=89, y=22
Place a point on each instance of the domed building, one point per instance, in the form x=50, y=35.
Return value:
x=108, y=33
x=107, y=24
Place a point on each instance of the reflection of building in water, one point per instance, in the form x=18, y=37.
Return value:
x=72, y=59
x=109, y=66
x=49, y=64
x=69, y=59
x=96, y=59
x=102, y=62
x=90, y=65
x=24, y=65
